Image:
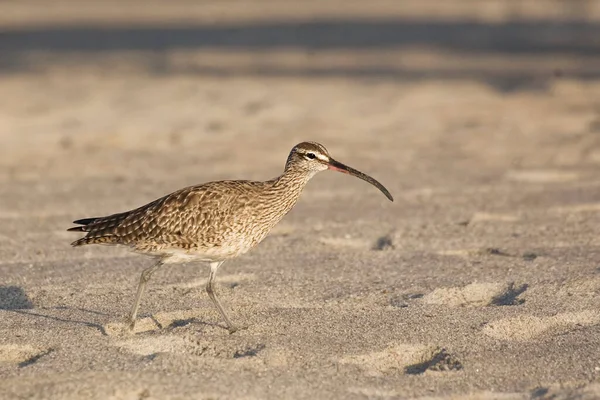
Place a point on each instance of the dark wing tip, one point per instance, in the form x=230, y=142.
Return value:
x=85, y=221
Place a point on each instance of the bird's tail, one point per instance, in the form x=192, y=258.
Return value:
x=100, y=230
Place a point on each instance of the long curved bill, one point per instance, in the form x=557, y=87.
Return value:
x=338, y=166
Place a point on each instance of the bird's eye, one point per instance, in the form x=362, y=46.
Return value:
x=311, y=155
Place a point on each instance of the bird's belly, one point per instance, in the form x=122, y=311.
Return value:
x=173, y=256
x=219, y=246
x=209, y=253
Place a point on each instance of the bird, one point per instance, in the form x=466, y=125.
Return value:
x=211, y=222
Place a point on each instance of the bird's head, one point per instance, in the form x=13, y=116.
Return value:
x=311, y=157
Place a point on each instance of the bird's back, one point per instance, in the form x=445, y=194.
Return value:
x=218, y=219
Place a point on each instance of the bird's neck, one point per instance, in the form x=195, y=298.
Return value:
x=294, y=180
x=289, y=185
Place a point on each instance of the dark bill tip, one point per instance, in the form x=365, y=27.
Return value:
x=338, y=166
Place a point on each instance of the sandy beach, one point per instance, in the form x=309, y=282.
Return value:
x=480, y=281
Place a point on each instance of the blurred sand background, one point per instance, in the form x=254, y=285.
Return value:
x=481, y=281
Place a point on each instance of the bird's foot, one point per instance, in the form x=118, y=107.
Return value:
x=130, y=325
x=121, y=328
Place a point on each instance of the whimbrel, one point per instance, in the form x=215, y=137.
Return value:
x=212, y=222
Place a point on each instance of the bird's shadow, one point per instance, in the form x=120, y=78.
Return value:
x=177, y=323
x=14, y=299
x=99, y=327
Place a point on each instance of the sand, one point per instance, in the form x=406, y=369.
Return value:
x=481, y=280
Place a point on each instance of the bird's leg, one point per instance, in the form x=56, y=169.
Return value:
x=214, y=266
x=144, y=278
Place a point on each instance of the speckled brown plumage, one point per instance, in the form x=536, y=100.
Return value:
x=220, y=220
x=214, y=221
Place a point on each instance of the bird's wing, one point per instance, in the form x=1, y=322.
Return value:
x=196, y=214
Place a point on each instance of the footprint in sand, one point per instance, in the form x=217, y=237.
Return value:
x=411, y=359
x=386, y=242
x=22, y=355
x=477, y=295
x=528, y=327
